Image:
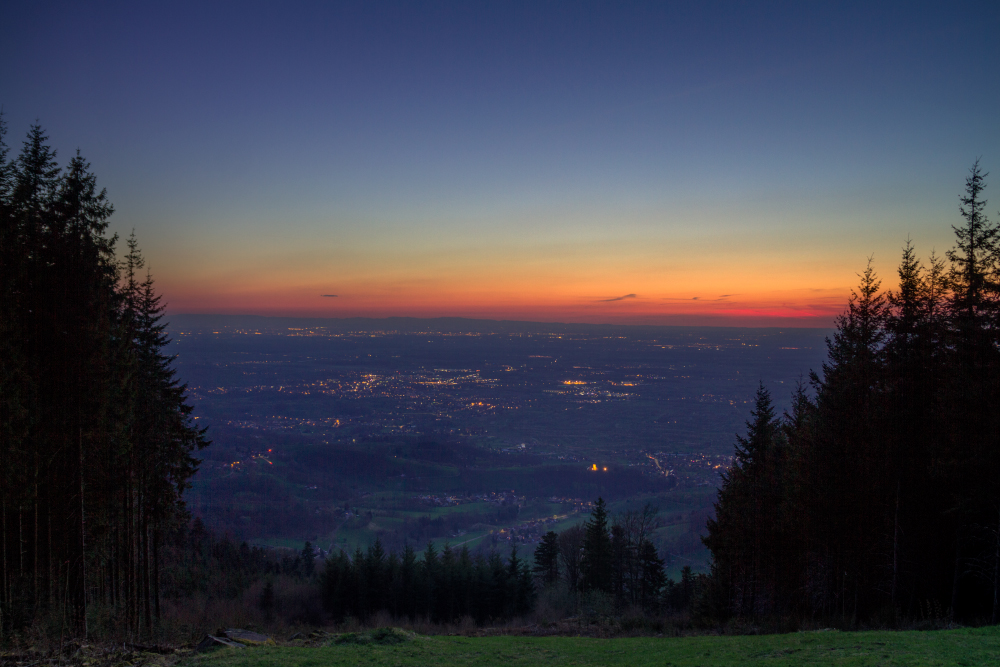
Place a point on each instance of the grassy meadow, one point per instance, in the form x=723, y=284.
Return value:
x=975, y=646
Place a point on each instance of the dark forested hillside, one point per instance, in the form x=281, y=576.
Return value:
x=96, y=444
x=878, y=497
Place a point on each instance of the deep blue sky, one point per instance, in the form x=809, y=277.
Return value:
x=515, y=159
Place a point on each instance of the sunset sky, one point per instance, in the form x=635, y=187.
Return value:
x=654, y=163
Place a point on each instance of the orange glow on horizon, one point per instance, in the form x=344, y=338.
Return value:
x=800, y=308
x=635, y=285
x=694, y=279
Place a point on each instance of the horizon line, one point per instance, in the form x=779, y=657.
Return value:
x=501, y=321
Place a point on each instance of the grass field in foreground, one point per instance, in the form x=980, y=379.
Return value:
x=978, y=646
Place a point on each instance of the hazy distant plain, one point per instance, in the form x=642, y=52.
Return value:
x=553, y=387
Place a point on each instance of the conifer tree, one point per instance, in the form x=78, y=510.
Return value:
x=521, y=589
x=853, y=504
x=429, y=578
x=571, y=554
x=547, y=558
x=971, y=454
x=974, y=259
x=446, y=597
x=652, y=578
x=739, y=535
x=596, y=560
x=407, y=581
x=915, y=369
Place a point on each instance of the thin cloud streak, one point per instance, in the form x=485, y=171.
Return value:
x=618, y=298
x=722, y=297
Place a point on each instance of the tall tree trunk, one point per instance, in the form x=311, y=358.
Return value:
x=957, y=575
x=5, y=584
x=52, y=579
x=996, y=575
x=895, y=546
x=126, y=556
x=125, y=547
x=115, y=574
x=156, y=571
x=83, y=542
x=131, y=592
x=34, y=571
x=20, y=539
x=146, y=610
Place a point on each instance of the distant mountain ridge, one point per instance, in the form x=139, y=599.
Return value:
x=183, y=321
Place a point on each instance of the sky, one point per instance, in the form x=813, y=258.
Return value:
x=669, y=163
